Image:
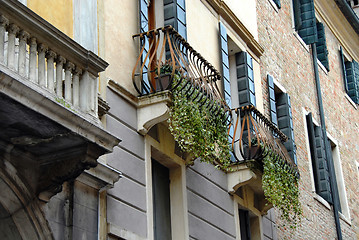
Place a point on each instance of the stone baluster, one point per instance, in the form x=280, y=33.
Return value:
x=42, y=48
x=33, y=60
x=50, y=56
x=85, y=89
x=68, y=81
x=3, y=23
x=76, y=87
x=23, y=37
x=59, y=69
x=12, y=31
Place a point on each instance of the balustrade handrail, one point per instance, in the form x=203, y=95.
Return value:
x=48, y=57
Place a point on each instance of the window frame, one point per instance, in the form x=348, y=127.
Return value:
x=345, y=212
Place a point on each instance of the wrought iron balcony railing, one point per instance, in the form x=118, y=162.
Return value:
x=164, y=53
x=163, y=50
x=256, y=134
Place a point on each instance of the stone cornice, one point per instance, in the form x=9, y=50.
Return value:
x=44, y=32
x=339, y=26
x=227, y=14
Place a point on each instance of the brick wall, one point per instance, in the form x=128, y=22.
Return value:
x=289, y=62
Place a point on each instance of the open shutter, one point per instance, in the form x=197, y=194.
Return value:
x=285, y=123
x=319, y=162
x=352, y=72
x=225, y=64
x=175, y=15
x=322, y=52
x=143, y=8
x=343, y=69
x=223, y=41
x=277, y=2
x=245, y=80
x=305, y=22
x=272, y=104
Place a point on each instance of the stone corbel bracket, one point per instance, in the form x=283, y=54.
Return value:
x=152, y=109
x=242, y=175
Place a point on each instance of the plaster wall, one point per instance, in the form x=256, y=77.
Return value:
x=204, y=40
x=57, y=12
x=245, y=10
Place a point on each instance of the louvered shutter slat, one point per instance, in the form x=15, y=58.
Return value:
x=285, y=123
x=322, y=52
x=245, y=81
x=305, y=21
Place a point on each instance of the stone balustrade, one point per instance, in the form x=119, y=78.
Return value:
x=43, y=55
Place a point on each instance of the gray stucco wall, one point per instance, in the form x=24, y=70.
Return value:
x=85, y=213
x=126, y=202
x=210, y=207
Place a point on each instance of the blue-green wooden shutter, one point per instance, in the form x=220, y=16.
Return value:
x=175, y=15
x=143, y=8
x=343, y=69
x=285, y=123
x=223, y=41
x=225, y=63
x=272, y=103
x=319, y=161
x=322, y=52
x=305, y=21
x=352, y=71
x=277, y=2
x=245, y=79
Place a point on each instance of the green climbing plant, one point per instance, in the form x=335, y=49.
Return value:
x=196, y=128
x=280, y=185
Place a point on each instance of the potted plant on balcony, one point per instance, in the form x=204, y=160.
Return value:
x=165, y=74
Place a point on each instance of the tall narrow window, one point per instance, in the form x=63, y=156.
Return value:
x=319, y=160
x=351, y=77
x=305, y=22
x=245, y=226
x=161, y=201
x=281, y=115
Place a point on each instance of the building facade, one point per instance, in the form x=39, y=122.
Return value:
x=78, y=81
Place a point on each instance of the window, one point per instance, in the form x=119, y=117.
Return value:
x=238, y=75
x=161, y=201
x=342, y=198
x=351, y=77
x=321, y=162
x=281, y=114
x=304, y=19
x=174, y=14
x=249, y=225
x=245, y=225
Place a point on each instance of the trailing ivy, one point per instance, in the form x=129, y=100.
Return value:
x=196, y=128
x=280, y=187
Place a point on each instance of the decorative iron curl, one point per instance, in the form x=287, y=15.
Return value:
x=167, y=47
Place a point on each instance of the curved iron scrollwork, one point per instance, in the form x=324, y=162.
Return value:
x=165, y=47
x=258, y=133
